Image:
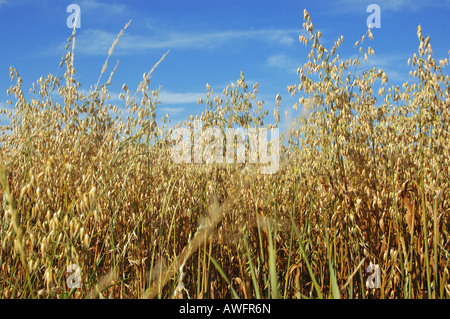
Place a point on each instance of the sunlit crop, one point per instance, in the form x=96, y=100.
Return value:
x=363, y=178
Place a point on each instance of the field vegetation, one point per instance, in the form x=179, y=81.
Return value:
x=363, y=179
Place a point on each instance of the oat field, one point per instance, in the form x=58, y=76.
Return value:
x=363, y=180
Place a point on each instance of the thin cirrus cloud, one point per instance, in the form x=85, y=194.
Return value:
x=106, y=8
x=172, y=111
x=283, y=61
x=97, y=41
x=395, y=65
x=387, y=5
x=166, y=97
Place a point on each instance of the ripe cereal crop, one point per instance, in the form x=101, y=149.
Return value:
x=363, y=179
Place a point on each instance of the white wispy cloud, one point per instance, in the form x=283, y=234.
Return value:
x=5, y=106
x=388, y=5
x=102, y=8
x=166, y=97
x=171, y=110
x=98, y=41
x=392, y=64
x=113, y=96
x=4, y=117
x=282, y=61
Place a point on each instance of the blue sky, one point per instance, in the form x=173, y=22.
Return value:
x=209, y=42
